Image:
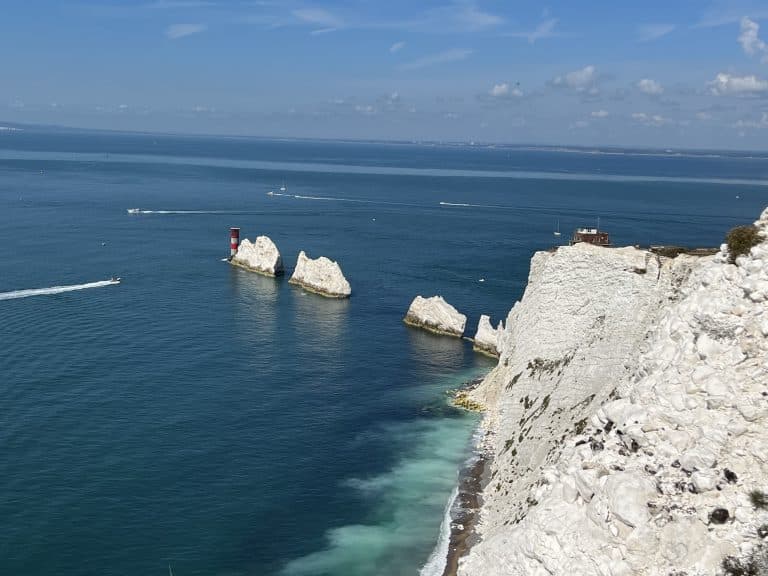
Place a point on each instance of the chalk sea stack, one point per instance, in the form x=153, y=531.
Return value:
x=435, y=315
x=261, y=256
x=321, y=276
x=487, y=339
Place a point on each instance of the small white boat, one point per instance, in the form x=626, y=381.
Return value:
x=134, y=211
x=557, y=232
x=271, y=193
x=283, y=188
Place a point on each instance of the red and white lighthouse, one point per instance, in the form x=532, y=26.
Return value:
x=234, y=241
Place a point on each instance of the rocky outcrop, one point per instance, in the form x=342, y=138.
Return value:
x=487, y=339
x=435, y=315
x=321, y=276
x=628, y=418
x=261, y=256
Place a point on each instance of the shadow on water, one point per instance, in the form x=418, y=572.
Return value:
x=319, y=317
x=432, y=350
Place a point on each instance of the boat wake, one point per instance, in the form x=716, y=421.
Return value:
x=465, y=205
x=137, y=211
x=55, y=289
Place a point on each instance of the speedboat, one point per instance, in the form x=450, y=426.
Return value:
x=115, y=279
x=134, y=211
x=271, y=193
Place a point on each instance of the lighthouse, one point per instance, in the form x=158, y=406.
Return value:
x=234, y=241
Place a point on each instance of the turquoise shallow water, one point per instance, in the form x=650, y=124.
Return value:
x=226, y=423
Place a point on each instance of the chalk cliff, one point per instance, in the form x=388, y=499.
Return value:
x=628, y=418
x=320, y=275
x=487, y=339
x=261, y=256
x=435, y=315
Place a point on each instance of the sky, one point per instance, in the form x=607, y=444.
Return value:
x=659, y=73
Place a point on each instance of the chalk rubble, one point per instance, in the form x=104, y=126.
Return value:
x=487, y=339
x=261, y=256
x=321, y=276
x=436, y=315
x=628, y=416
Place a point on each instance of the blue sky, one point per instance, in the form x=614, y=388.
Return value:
x=652, y=73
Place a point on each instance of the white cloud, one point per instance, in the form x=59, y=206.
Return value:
x=317, y=16
x=750, y=41
x=580, y=80
x=503, y=91
x=728, y=85
x=703, y=116
x=600, y=114
x=650, y=87
x=580, y=124
x=762, y=123
x=500, y=89
x=650, y=32
x=545, y=29
x=176, y=31
x=440, y=58
x=396, y=47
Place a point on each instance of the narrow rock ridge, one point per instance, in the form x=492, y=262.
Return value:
x=435, y=315
x=628, y=417
x=321, y=276
x=487, y=339
x=261, y=256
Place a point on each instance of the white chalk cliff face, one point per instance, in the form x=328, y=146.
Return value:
x=436, y=315
x=321, y=275
x=261, y=256
x=487, y=339
x=628, y=416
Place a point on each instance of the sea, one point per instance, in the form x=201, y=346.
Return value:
x=198, y=419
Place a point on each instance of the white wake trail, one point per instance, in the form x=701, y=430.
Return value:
x=55, y=289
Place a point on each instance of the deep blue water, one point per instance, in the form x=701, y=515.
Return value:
x=228, y=424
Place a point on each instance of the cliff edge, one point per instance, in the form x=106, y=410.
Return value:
x=627, y=418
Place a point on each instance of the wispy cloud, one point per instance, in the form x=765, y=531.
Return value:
x=545, y=29
x=318, y=17
x=444, y=57
x=650, y=32
x=654, y=120
x=724, y=12
x=750, y=41
x=600, y=114
x=760, y=124
x=321, y=31
x=176, y=31
x=396, y=47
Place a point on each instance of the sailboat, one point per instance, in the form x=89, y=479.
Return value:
x=282, y=188
x=557, y=232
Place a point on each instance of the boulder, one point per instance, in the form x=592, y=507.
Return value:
x=261, y=256
x=487, y=339
x=321, y=276
x=435, y=315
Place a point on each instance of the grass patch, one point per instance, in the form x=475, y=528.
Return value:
x=740, y=240
x=759, y=499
